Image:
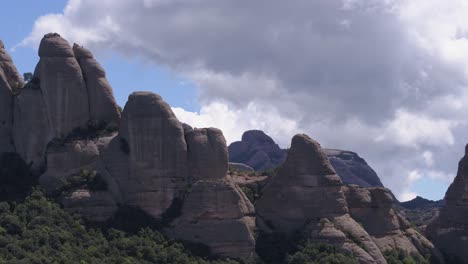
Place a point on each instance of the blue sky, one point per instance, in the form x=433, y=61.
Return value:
x=374, y=77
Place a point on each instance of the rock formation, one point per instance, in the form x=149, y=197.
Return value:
x=306, y=194
x=60, y=101
x=66, y=125
x=449, y=231
x=207, y=154
x=391, y=232
x=215, y=212
x=10, y=80
x=257, y=150
x=352, y=169
x=102, y=105
x=260, y=152
x=148, y=158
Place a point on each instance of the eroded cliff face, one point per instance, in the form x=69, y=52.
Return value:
x=391, y=232
x=307, y=195
x=449, y=231
x=10, y=80
x=148, y=158
x=56, y=103
x=66, y=125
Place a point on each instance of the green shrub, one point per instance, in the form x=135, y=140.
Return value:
x=91, y=180
x=250, y=193
x=400, y=257
x=16, y=179
x=319, y=253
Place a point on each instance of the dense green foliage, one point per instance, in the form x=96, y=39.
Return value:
x=318, y=254
x=278, y=248
x=39, y=231
x=91, y=180
x=394, y=257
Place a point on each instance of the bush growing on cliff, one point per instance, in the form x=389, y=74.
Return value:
x=396, y=257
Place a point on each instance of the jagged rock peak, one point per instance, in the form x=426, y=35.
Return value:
x=102, y=104
x=305, y=188
x=81, y=52
x=254, y=136
x=307, y=157
x=53, y=45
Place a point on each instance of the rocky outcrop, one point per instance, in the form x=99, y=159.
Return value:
x=391, y=232
x=102, y=105
x=10, y=80
x=257, y=150
x=148, y=158
x=215, y=211
x=306, y=194
x=352, y=169
x=449, y=231
x=62, y=86
x=65, y=97
x=207, y=154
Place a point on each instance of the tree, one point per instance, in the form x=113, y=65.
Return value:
x=27, y=76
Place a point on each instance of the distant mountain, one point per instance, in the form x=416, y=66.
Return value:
x=352, y=169
x=422, y=203
x=259, y=151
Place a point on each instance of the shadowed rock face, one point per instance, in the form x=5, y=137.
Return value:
x=257, y=150
x=148, y=159
x=352, y=169
x=9, y=79
x=449, y=231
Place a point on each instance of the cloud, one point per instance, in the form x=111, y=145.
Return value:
x=376, y=77
x=406, y=196
x=233, y=122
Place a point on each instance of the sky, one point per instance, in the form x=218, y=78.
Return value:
x=387, y=79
